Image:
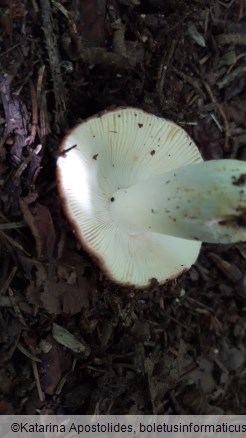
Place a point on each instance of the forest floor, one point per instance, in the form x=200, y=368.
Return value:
x=70, y=342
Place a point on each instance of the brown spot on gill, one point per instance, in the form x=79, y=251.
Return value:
x=239, y=181
x=234, y=221
x=95, y=156
x=140, y=125
x=152, y=152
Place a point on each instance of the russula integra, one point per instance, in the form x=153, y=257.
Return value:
x=140, y=198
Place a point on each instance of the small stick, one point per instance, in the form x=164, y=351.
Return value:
x=13, y=242
x=13, y=225
x=32, y=136
x=27, y=353
x=15, y=307
x=221, y=111
x=54, y=61
x=63, y=153
x=8, y=281
x=37, y=381
x=27, y=160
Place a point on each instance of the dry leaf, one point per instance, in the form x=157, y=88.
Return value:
x=67, y=339
x=61, y=297
x=41, y=224
x=54, y=363
x=203, y=375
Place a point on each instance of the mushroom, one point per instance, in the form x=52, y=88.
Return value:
x=141, y=199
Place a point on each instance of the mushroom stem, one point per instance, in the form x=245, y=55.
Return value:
x=204, y=201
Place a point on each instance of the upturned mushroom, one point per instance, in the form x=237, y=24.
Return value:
x=141, y=199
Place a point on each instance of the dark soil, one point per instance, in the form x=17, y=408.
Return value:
x=178, y=348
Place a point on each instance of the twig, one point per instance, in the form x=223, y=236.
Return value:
x=64, y=11
x=63, y=153
x=64, y=378
x=240, y=7
x=35, y=6
x=10, y=49
x=12, y=349
x=226, y=5
x=27, y=353
x=32, y=136
x=8, y=281
x=44, y=120
x=221, y=111
x=162, y=71
x=40, y=81
x=15, y=122
x=37, y=381
x=27, y=160
x=15, y=307
x=216, y=122
x=12, y=225
x=164, y=313
x=54, y=61
x=13, y=242
x=237, y=58
x=190, y=81
x=220, y=365
x=231, y=38
x=210, y=310
x=231, y=77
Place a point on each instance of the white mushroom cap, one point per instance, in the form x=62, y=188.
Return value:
x=116, y=150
